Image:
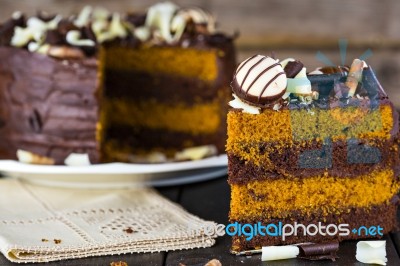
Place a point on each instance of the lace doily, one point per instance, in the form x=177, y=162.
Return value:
x=40, y=224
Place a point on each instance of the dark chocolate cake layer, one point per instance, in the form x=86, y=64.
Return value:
x=350, y=159
x=165, y=88
x=383, y=216
x=47, y=106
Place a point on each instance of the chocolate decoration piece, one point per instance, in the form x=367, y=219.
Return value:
x=319, y=251
x=334, y=69
x=259, y=81
x=54, y=37
x=292, y=68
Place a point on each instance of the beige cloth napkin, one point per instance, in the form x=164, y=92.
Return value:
x=39, y=224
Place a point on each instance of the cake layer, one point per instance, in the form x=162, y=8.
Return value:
x=47, y=106
x=165, y=98
x=144, y=86
x=123, y=141
x=175, y=61
x=200, y=118
x=277, y=198
x=383, y=215
x=302, y=159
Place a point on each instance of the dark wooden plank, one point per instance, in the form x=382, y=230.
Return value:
x=151, y=259
x=171, y=193
x=210, y=200
x=396, y=235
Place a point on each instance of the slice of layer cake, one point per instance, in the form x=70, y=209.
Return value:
x=314, y=157
x=114, y=87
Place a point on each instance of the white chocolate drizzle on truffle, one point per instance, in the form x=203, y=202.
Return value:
x=259, y=80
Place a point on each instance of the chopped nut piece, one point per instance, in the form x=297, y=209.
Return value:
x=65, y=52
x=57, y=241
x=32, y=158
x=118, y=263
x=45, y=240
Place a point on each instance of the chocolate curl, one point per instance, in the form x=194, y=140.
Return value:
x=319, y=251
x=355, y=76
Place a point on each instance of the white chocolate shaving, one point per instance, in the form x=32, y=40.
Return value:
x=196, y=153
x=159, y=18
x=373, y=252
x=178, y=25
x=246, y=108
x=198, y=16
x=142, y=33
x=83, y=17
x=299, y=84
x=115, y=29
x=99, y=26
x=77, y=159
x=35, y=30
x=21, y=36
x=73, y=37
x=279, y=253
x=100, y=13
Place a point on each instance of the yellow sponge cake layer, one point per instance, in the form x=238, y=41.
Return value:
x=155, y=115
x=279, y=198
x=185, y=62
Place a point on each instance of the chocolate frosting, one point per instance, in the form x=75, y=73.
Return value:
x=50, y=110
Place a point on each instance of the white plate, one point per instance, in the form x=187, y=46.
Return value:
x=117, y=175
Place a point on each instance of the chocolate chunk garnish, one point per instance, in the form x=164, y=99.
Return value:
x=44, y=16
x=335, y=69
x=319, y=251
x=54, y=37
x=64, y=26
x=292, y=68
x=136, y=19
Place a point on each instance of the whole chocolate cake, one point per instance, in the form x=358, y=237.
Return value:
x=114, y=87
x=313, y=157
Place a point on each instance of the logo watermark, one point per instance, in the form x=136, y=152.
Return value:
x=249, y=231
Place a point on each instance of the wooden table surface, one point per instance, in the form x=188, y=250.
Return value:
x=210, y=200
